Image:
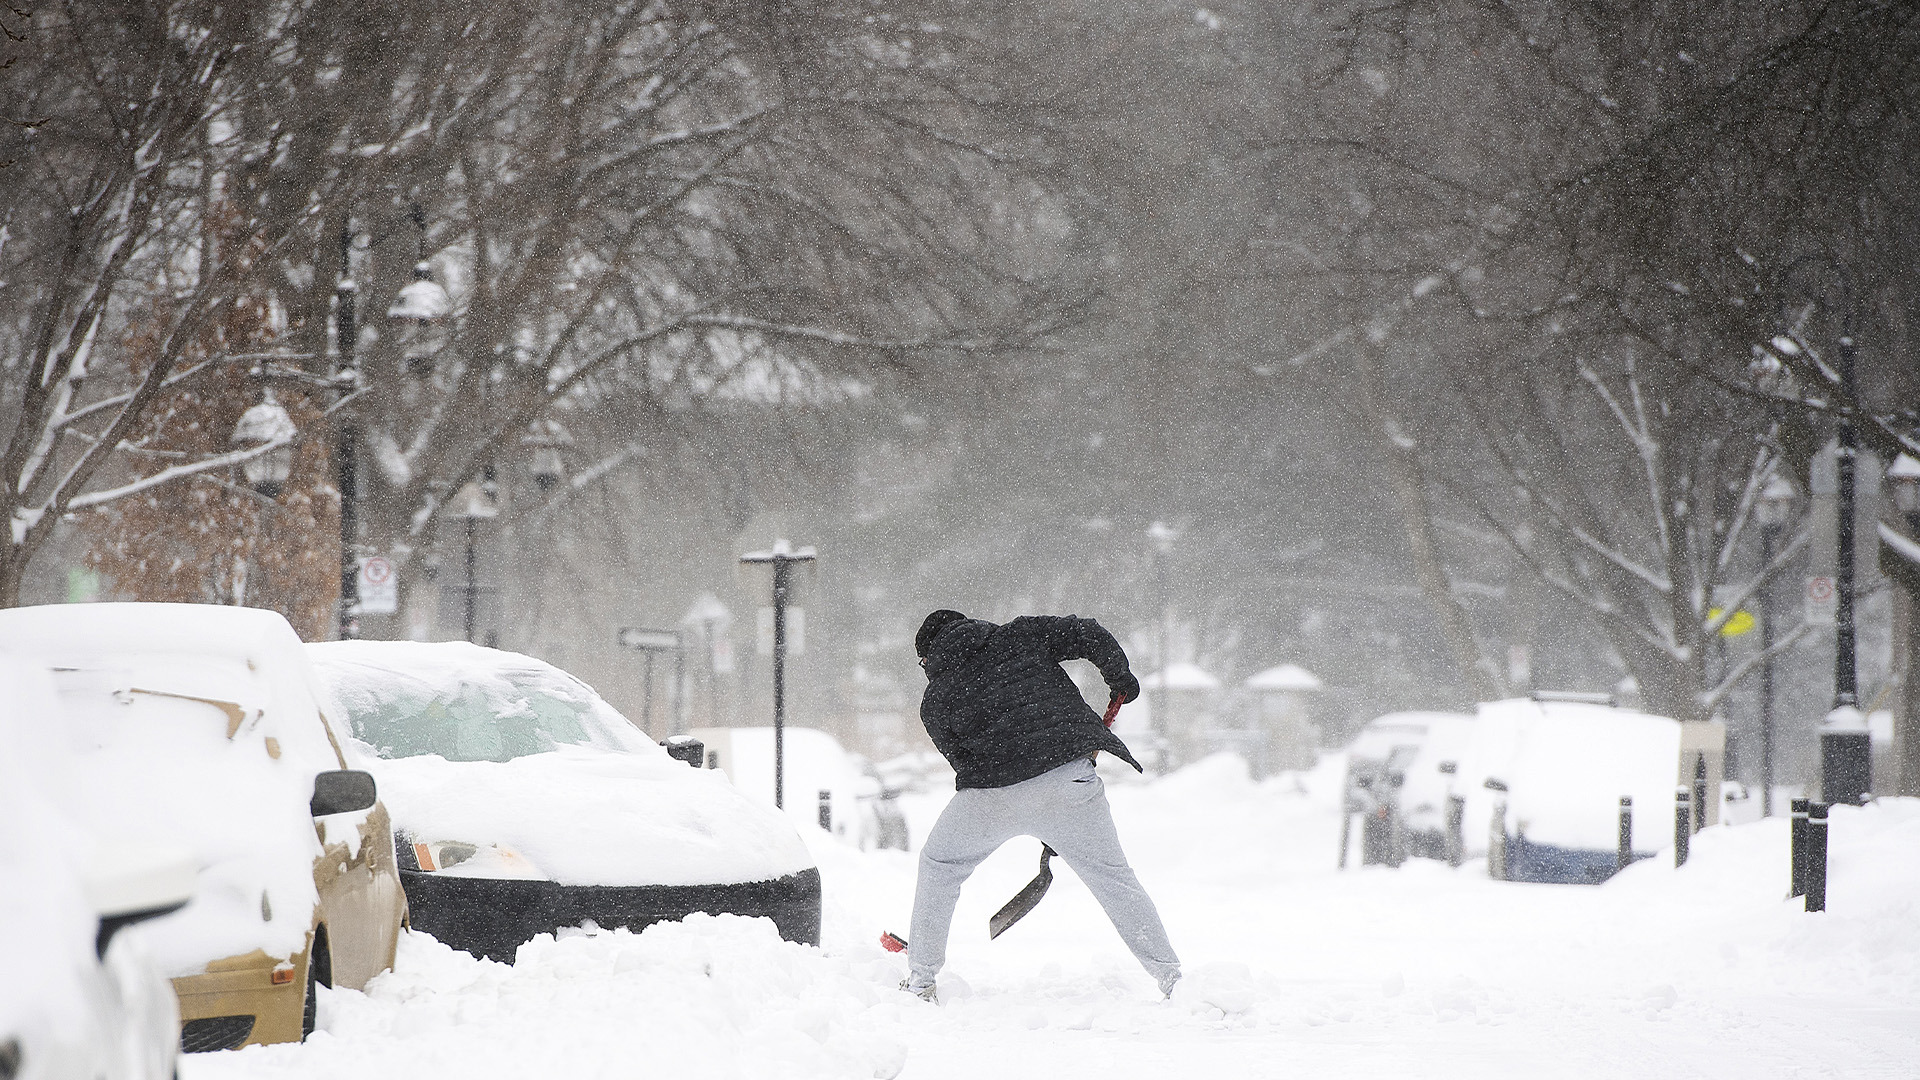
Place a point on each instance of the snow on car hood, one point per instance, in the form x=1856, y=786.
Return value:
x=585, y=816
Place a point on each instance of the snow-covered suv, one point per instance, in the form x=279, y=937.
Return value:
x=203, y=723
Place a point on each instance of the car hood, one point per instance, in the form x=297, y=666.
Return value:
x=585, y=816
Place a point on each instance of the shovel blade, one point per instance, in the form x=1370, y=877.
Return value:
x=1023, y=901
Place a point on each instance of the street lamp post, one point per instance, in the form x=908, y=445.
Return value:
x=1846, y=762
x=1772, y=510
x=345, y=438
x=479, y=502
x=781, y=557
x=1903, y=482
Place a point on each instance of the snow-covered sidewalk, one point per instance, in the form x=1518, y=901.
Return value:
x=1294, y=969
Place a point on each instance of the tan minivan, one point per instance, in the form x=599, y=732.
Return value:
x=202, y=727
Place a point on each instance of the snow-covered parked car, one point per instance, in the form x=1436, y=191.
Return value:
x=201, y=725
x=1376, y=769
x=524, y=803
x=80, y=996
x=861, y=807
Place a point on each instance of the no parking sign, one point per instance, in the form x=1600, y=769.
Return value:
x=378, y=586
x=1821, y=601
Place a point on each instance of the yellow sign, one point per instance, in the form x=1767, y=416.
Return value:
x=1740, y=622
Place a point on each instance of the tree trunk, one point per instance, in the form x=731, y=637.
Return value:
x=1399, y=453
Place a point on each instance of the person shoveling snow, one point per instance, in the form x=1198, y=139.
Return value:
x=1022, y=742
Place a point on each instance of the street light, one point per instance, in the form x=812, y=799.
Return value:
x=264, y=423
x=1903, y=483
x=421, y=300
x=547, y=437
x=1772, y=510
x=781, y=557
x=1846, y=762
x=479, y=501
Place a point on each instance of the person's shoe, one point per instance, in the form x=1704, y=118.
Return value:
x=926, y=992
x=1167, y=984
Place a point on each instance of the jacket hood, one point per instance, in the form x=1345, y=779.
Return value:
x=956, y=642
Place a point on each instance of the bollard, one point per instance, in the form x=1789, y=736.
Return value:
x=826, y=809
x=1497, y=842
x=1699, y=792
x=1456, y=827
x=1817, y=857
x=1625, y=854
x=1798, y=861
x=1682, y=824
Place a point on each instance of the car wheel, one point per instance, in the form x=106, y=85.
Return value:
x=319, y=973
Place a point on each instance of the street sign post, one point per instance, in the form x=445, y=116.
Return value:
x=1823, y=601
x=650, y=643
x=377, y=585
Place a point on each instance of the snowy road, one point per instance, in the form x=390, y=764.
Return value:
x=1294, y=970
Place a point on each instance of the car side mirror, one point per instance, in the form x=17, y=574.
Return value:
x=130, y=884
x=685, y=748
x=341, y=791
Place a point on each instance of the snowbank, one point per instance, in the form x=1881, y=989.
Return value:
x=1294, y=969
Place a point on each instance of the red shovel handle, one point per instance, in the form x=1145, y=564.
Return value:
x=1113, y=710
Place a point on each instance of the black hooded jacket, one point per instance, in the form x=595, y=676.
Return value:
x=1002, y=709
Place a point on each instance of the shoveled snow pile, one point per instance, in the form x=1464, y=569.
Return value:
x=1293, y=968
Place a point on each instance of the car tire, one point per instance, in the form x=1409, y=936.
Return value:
x=319, y=973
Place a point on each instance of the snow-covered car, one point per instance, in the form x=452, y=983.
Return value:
x=202, y=725
x=523, y=803
x=1542, y=782
x=1376, y=769
x=79, y=994
x=861, y=807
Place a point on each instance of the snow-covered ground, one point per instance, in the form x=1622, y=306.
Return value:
x=1294, y=969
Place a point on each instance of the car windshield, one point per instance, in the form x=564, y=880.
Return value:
x=498, y=716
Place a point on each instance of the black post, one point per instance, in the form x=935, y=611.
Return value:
x=826, y=809
x=1845, y=687
x=1817, y=857
x=467, y=622
x=782, y=558
x=1456, y=826
x=346, y=335
x=1768, y=533
x=646, y=693
x=1346, y=830
x=1699, y=792
x=1624, y=854
x=680, y=687
x=1682, y=826
x=1798, y=863
x=779, y=681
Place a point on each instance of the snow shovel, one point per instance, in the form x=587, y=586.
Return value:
x=1029, y=896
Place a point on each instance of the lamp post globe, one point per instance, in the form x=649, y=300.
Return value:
x=266, y=422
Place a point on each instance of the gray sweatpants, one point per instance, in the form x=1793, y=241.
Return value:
x=1066, y=809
